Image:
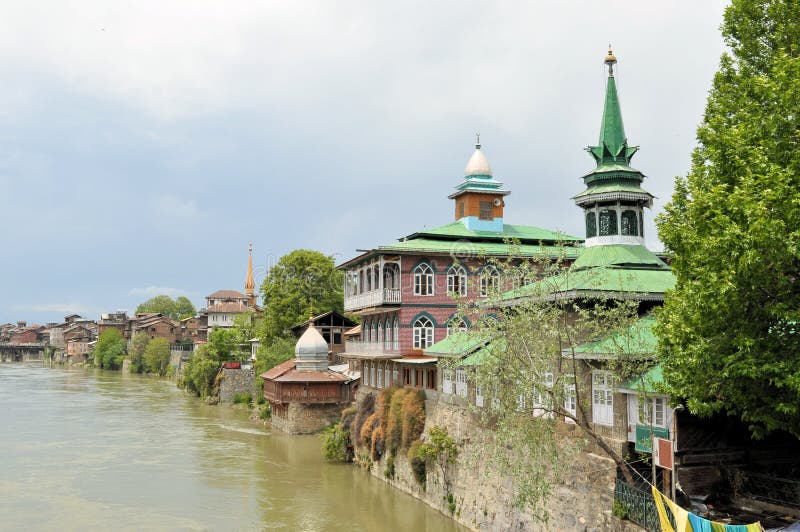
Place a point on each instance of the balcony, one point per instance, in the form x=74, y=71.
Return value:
x=371, y=349
x=385, y=296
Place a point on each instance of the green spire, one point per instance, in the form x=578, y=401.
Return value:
x=613, y=145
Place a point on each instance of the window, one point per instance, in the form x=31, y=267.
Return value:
x=629, y=224
x=591, y=224
x=602, y=398
x=460, y=209
x=489, y=281
x=372, y=379
x=485, y=211
x=380, y=378
x=430, y=379
x=461, y=382
x=570, y=396
x=387, y=334
x=395, y=375
x=652, y=411
x=423, y=280
x=386, y=376
x=447, y=381
x=608, y=222
x=396, y=335
x=479, y=396
x=379, y=332
x=457, y=280
x=541, y=397
x=423, y=333
x=455, y=325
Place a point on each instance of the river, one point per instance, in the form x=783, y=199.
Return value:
x=85, y=449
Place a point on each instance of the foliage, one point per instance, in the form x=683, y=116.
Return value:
x=136, y=355
x=619, y=510
x=413, y=417
x=224, y=343
x=364, y=409
x=243, y=399
x=301, y=282
x=109, y=349
x=176, y=309
x=530, y=372
x=378, y=443
x=336, y=444
x=417, y=462
x=728, y=332
x=388, y=472
x=277, y=352
x=156, y=356
x=200, y=372
x=440, y=449
x=265, y=412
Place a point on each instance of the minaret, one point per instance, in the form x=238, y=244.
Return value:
x=613, y=202
x=249, y=281
x=479, y=198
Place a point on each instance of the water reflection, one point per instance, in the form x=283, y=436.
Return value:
x=87, y=449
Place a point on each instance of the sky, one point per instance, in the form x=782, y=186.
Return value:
x=143, y=144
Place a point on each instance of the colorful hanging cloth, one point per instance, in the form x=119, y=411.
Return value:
x=688, y=522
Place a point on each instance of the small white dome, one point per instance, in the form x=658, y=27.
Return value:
x=311, y=345
x=478, y=165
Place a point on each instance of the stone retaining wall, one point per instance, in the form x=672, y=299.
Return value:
x=582, y=501
x=297, y=418
x=239, y=381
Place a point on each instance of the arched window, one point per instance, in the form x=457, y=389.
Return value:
x=423, y=280
x=489, y=280
x=591, y=224
x=367, y=331
x=387, y=334
x=379, y=332
x=455, y=325
x=629, y=225
x=608, y=222
x=375, y=328
x=423, y=333
x=391, y=276
x=396, y=335
x=457, y=280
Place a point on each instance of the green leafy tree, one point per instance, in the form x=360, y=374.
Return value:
x=176, y=309
x=224, y=344
x=729, y=330
x=136, y=355
x=278, y=352
x=441, y=449
x=300, y=282
x=200, y=372
x=109, y=350
x=156, y=355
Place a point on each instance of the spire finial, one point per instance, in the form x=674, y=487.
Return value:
x=250, y=248
x=610, y=60
x=477, y=140
x=249, y=280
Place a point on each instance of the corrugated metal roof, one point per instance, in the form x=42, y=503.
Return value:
x=519, y=232
x=647, y=382
x=618, y=255
x=638, y=339
x=467, y=248
x=459, y=343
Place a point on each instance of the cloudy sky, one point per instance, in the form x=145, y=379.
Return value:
x=143, y=143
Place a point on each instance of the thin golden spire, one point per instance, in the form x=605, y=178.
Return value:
x=250, y=282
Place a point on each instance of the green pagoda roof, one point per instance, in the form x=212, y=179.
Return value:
x=523, y=233
x=457, y=344
x=490, y=249
x=618, y=255
x=611, y=188
x=638, y=339
x=636, y=283
x=649, y=382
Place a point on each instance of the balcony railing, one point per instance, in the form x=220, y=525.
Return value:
x=357, y=347
x=373, y=298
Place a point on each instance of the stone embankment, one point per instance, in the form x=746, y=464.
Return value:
x=582, y=501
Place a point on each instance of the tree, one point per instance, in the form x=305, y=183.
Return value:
x=224, y=344
x=136, y=355
x=728, y=332
x=534, y=376
x=441, y=449
x=109, y=349
x=200, y=372
x=162, y=304
x=301, y=282
x=156, y=355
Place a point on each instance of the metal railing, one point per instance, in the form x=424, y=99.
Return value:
x=358, y=347
x=638, y=504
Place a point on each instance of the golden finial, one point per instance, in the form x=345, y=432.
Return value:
x=610, y=60
x=249, y=281
x=251, y=247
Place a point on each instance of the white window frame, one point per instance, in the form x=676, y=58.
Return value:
x=396, y=335
x=447, y=381
x=379, y=332
x=479, y=396
x=424, y=280
x=423, y=332
x=603, y=397
x=461, y=382
x=650, y=405
x=462, y=326
x=380, y=378
x=570, y=397
x=490, y=279
x=387, y=334
x=457, y=280
x=541, y=400
x=386, y=376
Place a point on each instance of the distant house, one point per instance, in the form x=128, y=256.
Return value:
x=77, y=339
x=155, y=325
x=114, y=320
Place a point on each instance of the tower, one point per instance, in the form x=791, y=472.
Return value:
x=249, y=281
x=479, y=198
x=613, y=202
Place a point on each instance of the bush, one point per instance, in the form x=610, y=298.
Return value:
x=200, y=373
x=619, y=510
x=365, y=407
x=417, y=462
x=389, y=471
x=394, y=419
x=336, y=444
x=413, y=416
x=156, y=356
x=109, y=349
x=348, y=416
x=265, y=412
x=378, y=443
x=368, y=428
x=242, y=398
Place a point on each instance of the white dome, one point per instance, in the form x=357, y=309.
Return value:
x=478, y=165
x=311, y=345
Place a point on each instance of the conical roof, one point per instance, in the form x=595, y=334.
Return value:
x=478, y=165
